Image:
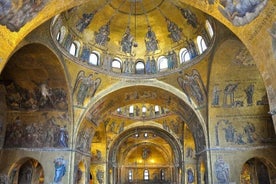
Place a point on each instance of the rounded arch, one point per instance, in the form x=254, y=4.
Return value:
x=177, y=101
x=257, y=170
x=146, y=127
x=35, y=76
x=139, y=67
x=157, y=93
x=146, y=150
x=26, y=170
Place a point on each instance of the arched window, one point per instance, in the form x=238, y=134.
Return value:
x=184, y=55
x=116, y=65
x=163, y=63
x=162, y=173
x=58, y=36
x=156, y=109
x=61, y=34
x=74, y=48
x=146, y=174
x=201, y=44
x=209, y=29
x=131, y=110
x=94, y=58
x=146, y=135
x=140, y=67
x=130, y=175
x=119, y=111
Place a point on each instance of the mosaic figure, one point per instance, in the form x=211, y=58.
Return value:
x=101, y=37
x=249, y=131
x=249, y=91
x=148, y=66
x=85, y=54
x=37, y=134
x=216, y=92
x=40, y=97
x=172, y=60
x=128, y=65
x=190, y=16
x=86, y=87
x=60, y=169
x=83, y=139
x=190, y=176
x=84, y=21
x=241, y=12
x=192, y=86
x=107, y=62
x=145, y=153
x=229, y=91
x=151, y=41
x=243, y=57
x=229, y=133
x=175, y=31
x=192, y=49
x=100, y=176
x=14, y=15
x=153, y=65
x=127, y=42
x=239, y=139
x=63, y=137
x=121, y=127
x=222, y=171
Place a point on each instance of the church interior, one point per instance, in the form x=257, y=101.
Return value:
x=137, y=91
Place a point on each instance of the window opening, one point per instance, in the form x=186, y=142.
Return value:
x=163, y=63
x=184, y=55
x=210, y=29
x=94, y=59
x=201, y=44
x=73, y=49
x=146, y=174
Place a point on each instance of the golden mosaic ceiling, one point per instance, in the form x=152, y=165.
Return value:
x=87, y=22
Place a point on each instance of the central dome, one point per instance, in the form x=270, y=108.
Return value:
x=134, y=30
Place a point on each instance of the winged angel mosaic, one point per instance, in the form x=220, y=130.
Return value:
x=85, y=87
x=241, y=12
x=193, y=87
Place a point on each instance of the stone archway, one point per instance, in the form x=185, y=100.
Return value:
x=135, y=151
x=256, y=170
x=26, y=170
x=102, y=119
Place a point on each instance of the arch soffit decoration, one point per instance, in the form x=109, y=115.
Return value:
x=103, y=105
x=174, y=144
x=120, y=89
x=265, y=161
x=16, y=165
x=142, y=125
x=37, y=48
